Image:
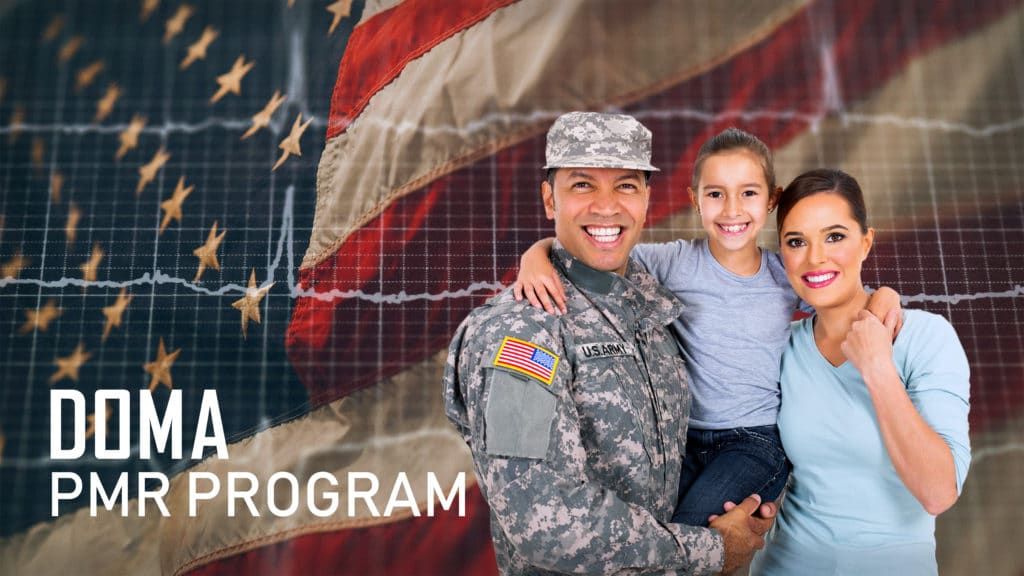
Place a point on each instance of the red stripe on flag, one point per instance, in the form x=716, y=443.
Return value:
x=526, y=368
x=380, y=48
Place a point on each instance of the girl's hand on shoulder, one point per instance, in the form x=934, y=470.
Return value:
x=544, y=292
x=539, y=282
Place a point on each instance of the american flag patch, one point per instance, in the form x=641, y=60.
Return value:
x=527, y=358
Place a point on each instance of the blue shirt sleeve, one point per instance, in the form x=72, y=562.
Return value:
x=804, y=307
x=938, y=383
x=664, y=259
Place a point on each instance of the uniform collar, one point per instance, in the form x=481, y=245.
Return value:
x=645, y=294
x=583, y=276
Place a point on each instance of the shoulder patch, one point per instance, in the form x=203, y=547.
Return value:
x=527, y=358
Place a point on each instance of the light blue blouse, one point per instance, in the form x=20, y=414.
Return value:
x=846, y=510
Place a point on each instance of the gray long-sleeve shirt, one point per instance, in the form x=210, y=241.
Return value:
x=732, y=334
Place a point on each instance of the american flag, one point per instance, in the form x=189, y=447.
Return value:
x=527, y=358
x=426, y=192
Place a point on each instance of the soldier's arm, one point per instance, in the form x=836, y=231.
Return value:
x=531, y=464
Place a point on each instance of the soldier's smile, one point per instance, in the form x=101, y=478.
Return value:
x=605, y=236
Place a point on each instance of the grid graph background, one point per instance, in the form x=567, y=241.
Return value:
x=945, y=191
x=234, y=186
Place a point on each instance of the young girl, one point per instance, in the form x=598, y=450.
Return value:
x=739, y=305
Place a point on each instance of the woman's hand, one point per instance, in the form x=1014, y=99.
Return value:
x=882, y=302
x=539, y=281
x=868, y=344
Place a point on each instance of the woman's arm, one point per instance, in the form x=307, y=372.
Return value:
x=538, y=280
x=921, y=457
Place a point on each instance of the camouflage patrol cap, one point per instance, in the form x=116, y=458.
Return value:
x=598, y=140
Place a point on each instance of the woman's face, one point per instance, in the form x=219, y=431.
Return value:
x=823, y=247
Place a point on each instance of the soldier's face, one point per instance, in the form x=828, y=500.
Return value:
x=598, y=213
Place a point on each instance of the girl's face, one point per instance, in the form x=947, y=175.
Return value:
x=733, y=199
x=823, y=248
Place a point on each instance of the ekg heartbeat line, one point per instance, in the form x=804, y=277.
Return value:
x=1014, y=292
x=165, y=129
x=487, y=123
x=285, y=249
x=832, y=105
x=996, y=451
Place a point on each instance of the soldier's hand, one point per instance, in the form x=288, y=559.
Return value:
x=767, y=511
x=742, y=532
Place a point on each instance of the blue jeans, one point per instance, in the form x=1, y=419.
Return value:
x=729, y=465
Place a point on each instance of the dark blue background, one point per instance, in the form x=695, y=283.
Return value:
x=233, y=183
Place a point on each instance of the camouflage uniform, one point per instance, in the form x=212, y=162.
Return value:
x=581, y=472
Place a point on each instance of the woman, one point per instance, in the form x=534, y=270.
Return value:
x=876, y=429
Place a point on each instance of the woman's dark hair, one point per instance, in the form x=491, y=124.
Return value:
x=735, y=139
x=831, y=181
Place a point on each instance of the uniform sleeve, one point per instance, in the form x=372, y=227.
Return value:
x=531, y=464
x=938, y=383
x=664, y=260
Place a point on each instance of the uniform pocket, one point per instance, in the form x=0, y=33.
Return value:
x=518, y=416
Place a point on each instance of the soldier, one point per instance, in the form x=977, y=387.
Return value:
x=577, y=423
